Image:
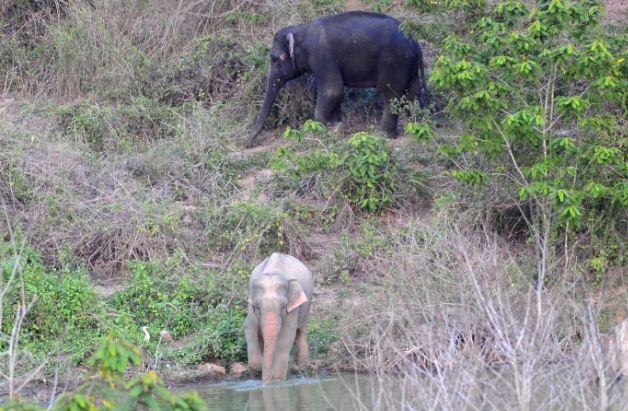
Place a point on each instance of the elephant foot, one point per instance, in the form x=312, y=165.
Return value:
x=303, y=354
x=255, y=365
x=392, y=134
x=280, y=374
x=336, y=128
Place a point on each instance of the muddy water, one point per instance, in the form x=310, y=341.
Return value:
x=306, y=394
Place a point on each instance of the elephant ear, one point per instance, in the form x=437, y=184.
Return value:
x=290, y=38
x=296, y=296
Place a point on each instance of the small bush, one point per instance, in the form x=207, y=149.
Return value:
x=66, y=310
x=253, y=229
x=322, y=333
x=371, y=173
x=103, y=127
x=109, y=389
x=364, y=170
x=220, y=338
x=159, y=299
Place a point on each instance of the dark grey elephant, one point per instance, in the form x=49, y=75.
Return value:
x=280, y=292
x=354, y=49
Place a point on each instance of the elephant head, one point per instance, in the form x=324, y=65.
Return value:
x=283, y=66
x=273, y=298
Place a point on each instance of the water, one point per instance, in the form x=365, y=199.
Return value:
x=304, y=394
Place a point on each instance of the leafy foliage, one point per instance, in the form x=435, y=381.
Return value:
x=221, y=338
x=109, y=390
x=371, y=173
x=157, y=300
x=540, y=93
x=114, y=357
x=321, y=335
x=363, y=170
x=65, y=312
x=208, y=306
x=421, y=131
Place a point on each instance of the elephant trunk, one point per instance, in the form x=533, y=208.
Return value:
x=270, y=331
x=274, y=84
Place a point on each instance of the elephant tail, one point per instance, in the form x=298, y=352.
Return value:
x=418, y=86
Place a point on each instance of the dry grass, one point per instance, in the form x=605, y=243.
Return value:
x=169, y=51
x=458, y=325
x=106, y=210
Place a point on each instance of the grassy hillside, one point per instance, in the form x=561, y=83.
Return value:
x=128, y=201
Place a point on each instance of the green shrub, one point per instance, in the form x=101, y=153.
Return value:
x=321, y=333
x=89, y=122
x=225, y=335
x=65, y=312
x=207, y=306
x=220, y=338
x=363, y=170
x=113, y=357
x=109, y=389
x=219, y=331
x=371, y=173
x=158, y=298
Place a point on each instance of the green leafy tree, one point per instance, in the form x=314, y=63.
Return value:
x=540, y=94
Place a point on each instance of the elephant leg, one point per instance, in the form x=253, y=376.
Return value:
x=336, y=115
x=302, y=354
x=389, y=121
x=285, y=341
x=329, y=95
x=253, y=345
x=335, y=123
x=391, y=90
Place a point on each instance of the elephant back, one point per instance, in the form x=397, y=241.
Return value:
x=290, y=267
